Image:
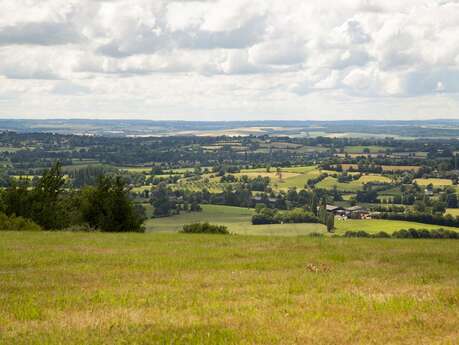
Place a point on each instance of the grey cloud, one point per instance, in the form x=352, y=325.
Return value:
x=46, y=34
x=69, y=88
x=353, y=57
x=24, y=73
x=442, y=80
x=146, y=41
x=356, y=33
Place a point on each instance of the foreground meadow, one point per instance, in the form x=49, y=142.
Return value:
x=93, y=288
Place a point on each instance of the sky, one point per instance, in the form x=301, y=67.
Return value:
x=229, y=59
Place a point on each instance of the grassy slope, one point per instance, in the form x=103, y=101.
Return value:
x=80, y=288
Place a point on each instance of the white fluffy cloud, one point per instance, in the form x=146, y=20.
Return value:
x=235, y=59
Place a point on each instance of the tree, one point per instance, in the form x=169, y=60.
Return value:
x=163, y=205
x=330, y=223
x=46, y=205
x=451, y=200
x=107, y=207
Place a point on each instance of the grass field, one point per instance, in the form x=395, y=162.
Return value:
x=90, y=288
x=330, y=182
x=238, y=221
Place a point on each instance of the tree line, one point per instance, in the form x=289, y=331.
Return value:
x=106, y=206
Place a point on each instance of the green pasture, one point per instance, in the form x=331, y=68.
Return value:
x=93, y=288
x=238, y=221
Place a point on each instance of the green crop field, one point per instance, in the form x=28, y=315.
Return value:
x=93, y=288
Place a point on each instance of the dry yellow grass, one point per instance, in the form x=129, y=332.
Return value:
x=436, y=182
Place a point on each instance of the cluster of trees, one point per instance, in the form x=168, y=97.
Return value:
x=386, y=209
x=435, y=219
x=257, y=184
x=88, y=176
x=167, y=202
x=266, y=215
x=367, y=195
x=105, y=206
x=205, y=228
x=410, y=234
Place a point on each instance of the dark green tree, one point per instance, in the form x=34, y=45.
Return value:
x=107, y=207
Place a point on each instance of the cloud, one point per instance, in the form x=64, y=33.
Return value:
x=39, y=34
x=69, y=88
x=262, y=55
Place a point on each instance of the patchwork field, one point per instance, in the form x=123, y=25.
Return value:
x=89, y=288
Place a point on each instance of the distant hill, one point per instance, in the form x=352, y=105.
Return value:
x=359, y=128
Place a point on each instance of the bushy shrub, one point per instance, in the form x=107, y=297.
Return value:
x=410, y=233
x=205, y=228
x=258, y=219
x=357, y=234
x=423, y=233
x=381, y=234
x=297, y=215
x=13, y=223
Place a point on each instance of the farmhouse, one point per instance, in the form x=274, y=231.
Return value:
x=357, y=212
x=264, y=200
x=336, y=210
